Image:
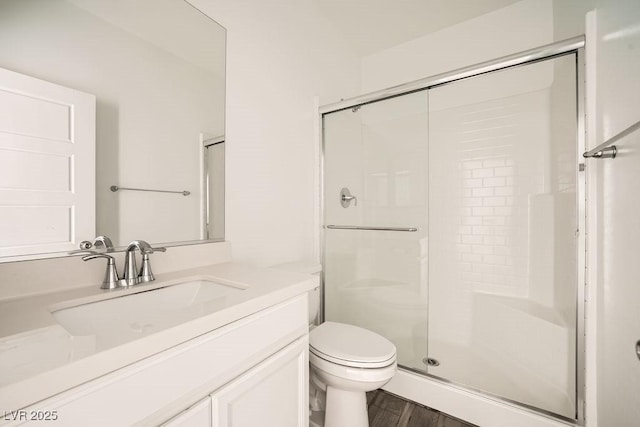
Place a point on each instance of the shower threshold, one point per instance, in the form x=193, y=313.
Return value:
x=399, y=388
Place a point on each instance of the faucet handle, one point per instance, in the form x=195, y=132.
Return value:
x=143, y=247
x=146, y=275
x=150, y=250
x=110, y=280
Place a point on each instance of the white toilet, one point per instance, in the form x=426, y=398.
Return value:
x=345, y=362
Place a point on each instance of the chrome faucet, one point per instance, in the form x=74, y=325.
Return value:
x=131, y=275
x=97, y=242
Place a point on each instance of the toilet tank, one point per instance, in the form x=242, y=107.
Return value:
x=307, y=267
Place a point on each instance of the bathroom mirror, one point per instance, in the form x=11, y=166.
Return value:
x=157, y=71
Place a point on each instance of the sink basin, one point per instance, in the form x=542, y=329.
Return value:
x=128, y=317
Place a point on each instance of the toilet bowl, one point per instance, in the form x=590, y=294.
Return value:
x=347, y=361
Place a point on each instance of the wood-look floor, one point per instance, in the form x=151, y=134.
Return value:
x=388, y=410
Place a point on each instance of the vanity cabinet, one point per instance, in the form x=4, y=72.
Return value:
x=273, y=393
x=253, y=371
x=199, y=415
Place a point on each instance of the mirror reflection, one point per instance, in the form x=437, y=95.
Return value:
x=138, y=83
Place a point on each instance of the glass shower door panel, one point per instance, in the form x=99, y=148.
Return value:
x=502, y=241
x=378, y=279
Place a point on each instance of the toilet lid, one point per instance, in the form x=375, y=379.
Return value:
x=351, y=346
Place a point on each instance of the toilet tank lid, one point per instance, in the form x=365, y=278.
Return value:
x=348, y=343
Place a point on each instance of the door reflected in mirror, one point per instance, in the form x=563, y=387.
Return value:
x=157, y=71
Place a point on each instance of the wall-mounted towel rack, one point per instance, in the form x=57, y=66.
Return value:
x=607, y=150
x=115, y=188
x=357, y=227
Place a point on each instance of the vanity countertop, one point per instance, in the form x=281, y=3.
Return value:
x=39, y=358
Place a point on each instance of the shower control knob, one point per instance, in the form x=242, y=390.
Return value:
x=346, y=198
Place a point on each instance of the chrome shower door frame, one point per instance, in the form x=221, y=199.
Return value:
x=574, y=46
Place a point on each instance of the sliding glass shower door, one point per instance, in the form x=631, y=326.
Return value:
x=451, y=228
x=377, y=271
x=502, y=233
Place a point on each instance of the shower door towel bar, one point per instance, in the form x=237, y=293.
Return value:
x=607, y=150
x=115, y=188
x=358, y=227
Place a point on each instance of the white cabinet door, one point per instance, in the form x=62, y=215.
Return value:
x=199, y=415
x=273, y=393
x=47, y=166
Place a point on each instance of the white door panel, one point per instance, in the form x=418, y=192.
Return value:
x=25, y=114
x=273, y=393
x=47, y=166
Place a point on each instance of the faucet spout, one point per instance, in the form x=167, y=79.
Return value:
x=130, y=269
x=131, y=274
x=103, y=241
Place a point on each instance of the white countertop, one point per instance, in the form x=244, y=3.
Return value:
x=39, y=358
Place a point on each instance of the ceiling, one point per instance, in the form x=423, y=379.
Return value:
x=373, y=25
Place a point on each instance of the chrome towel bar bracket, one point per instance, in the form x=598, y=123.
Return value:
x=607, y=150
x=604, y=153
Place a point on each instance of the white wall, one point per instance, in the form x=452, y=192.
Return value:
x=523, y=25
x=569, y=17
x=617, y=75
x=280, y=55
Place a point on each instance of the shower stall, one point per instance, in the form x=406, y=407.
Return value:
x=453, y=212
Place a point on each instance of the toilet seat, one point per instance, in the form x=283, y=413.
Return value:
x=351, y=346
x=342, y=373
